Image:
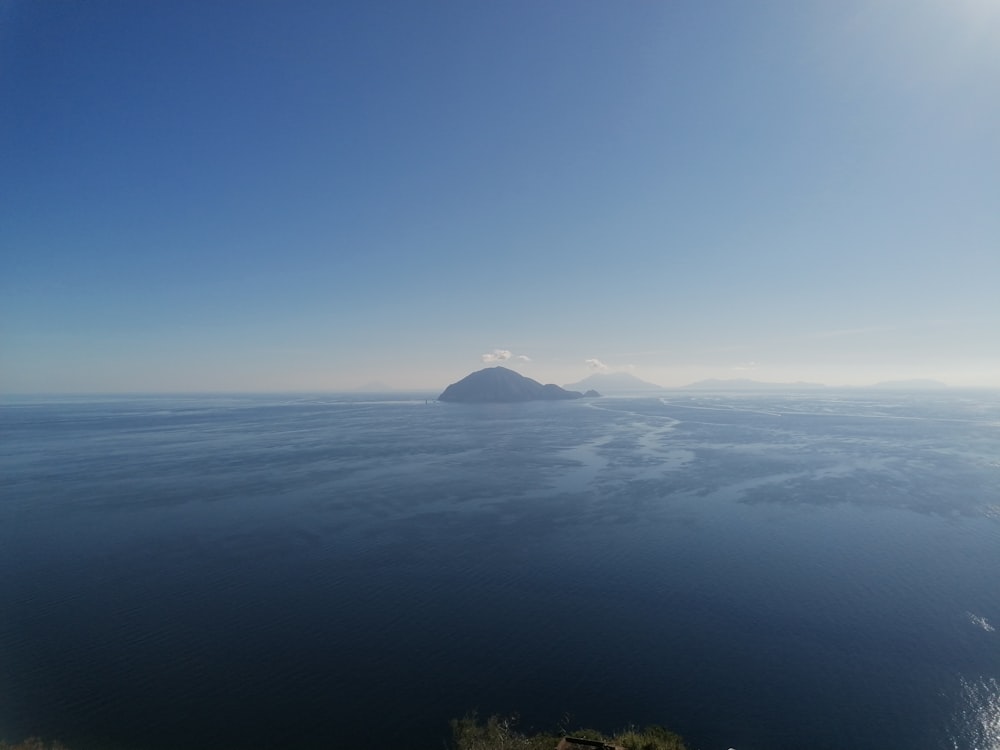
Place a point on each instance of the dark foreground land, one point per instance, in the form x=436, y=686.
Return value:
x=500, y=733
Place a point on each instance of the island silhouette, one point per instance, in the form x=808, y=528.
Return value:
x=501, y=385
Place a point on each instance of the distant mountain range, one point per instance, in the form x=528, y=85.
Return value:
x=743, y=384
x=917, y=384
x=613, y=381
x=500, y=385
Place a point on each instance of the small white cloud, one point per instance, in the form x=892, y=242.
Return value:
x=497, y=355
x=595, y=364
x=523, y=358
x=745, y=366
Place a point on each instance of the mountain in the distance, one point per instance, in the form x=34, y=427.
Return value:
x=916, y=384
x=743, y=384
x=613, y=381
x=500, y=385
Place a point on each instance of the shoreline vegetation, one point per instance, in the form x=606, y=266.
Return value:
x=496, y=733
x=501, y=733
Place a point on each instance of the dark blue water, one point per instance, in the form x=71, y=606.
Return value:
x=256, y=572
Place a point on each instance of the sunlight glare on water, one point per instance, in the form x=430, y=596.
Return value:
x=979, y=718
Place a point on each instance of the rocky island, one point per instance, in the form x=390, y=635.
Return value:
x=500, y=385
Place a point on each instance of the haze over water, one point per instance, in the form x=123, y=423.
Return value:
x=753, y=571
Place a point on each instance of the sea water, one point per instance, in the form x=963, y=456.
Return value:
x=754, y=571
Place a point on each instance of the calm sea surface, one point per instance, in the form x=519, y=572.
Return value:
x=756, y=572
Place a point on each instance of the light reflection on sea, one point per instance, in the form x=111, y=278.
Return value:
x=978, y=717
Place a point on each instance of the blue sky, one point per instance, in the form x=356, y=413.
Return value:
x=315, y=195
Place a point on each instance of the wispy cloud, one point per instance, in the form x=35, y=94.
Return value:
x=850, y=332
x=523, y=358
x=745, y=367
x=645, y=353
x=497, y=355
x=595, y=364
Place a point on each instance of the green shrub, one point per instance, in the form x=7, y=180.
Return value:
x=496, y=733
x=650, y=738
x=32, y=743
x=500, y=733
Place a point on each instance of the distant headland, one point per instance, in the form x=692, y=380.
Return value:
x=713, y=384
x=500, y=385
x=742, y=384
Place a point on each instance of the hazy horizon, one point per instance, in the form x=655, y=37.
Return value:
x=904, y=384
x=667, y=378
x=310, y=197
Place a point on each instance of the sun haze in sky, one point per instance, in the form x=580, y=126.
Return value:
x=311, y=195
